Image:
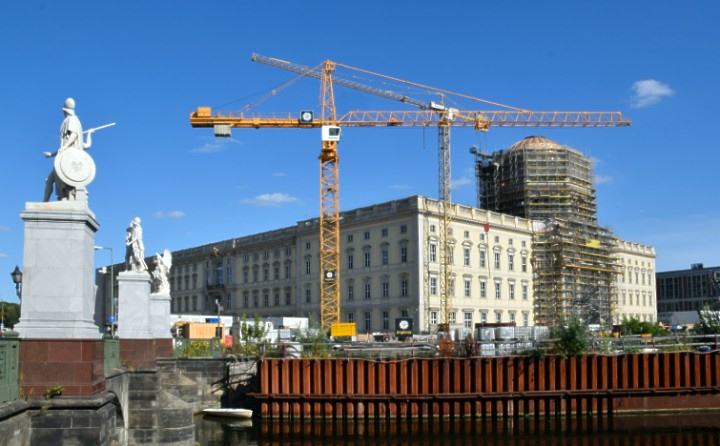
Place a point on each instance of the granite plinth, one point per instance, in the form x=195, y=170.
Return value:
x=143, y=353
x=76, y=365
x=134, y=320
x=58, y=295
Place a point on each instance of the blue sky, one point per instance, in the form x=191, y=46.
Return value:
x=147, y=65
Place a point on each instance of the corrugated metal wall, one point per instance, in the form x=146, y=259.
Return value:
x=502, y=386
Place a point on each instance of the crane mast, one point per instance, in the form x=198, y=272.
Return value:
x=426, y=114
x=329, y=207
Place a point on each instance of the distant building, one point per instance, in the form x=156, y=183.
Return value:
x=389, y=269
x=680, y=294
x=635, y=282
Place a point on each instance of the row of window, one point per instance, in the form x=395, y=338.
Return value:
x=640, y=276
x=639, y=316
x=265, y=270
x=367, y=257
x=266, y=302
x=366, y=289
x=266, y=254
x=192, y=303
x=367, y=319
x=384, y=232
x=498, y=288
x=466, y=235
x=468, y=317
x=482, y=260
x=647, y=299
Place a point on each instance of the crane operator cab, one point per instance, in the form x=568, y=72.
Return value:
x=330, y=133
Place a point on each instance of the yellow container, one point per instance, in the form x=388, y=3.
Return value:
x=342, y=329
x=198, y=330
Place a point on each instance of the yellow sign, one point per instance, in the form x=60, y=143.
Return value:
x=342, y=329
x=593, y=244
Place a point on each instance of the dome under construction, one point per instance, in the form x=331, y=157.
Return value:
x=538, y=178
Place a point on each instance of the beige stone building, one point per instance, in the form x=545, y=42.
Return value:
x=635, y=296
x=389, y=269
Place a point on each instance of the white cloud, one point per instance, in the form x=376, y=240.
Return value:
x=466, y=179
x=215, y=145
x=4, y=228
x=279, y=174
x=169, y=214
x=272, y=199
x=3, y=255
x=603, y=179
x=649, y=92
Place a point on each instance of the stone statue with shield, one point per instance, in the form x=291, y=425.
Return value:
x=73, y=169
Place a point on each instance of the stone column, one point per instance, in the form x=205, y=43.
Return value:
x=58, y=298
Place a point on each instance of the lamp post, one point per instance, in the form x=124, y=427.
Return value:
x=17, y=278
x=219, y=307
x=112, y=288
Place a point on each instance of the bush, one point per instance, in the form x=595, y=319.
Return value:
x=252, y=336
x=315, y=344
x=634, y=326
x=571, y=338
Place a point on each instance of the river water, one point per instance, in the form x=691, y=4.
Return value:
x=639, y=430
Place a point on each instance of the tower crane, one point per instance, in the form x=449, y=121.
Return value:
x=427, y=113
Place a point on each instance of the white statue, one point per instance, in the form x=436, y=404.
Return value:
x=163, y=263
x=73, y=169
x=134, y=247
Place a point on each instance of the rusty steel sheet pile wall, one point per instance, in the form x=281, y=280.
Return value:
x=487, y=387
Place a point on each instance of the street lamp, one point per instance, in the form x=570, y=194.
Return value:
x=112, y=288
x=17, y=277
x=218, y=305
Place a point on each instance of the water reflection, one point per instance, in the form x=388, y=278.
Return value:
x=658, y=430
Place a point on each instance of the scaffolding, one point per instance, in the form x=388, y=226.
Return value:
x=574, y=271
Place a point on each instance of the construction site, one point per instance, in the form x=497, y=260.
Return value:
x=574, y=269
x=538, y=180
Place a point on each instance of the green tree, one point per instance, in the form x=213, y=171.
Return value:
x=10, y=313
x=708, y=319
x=252, y=335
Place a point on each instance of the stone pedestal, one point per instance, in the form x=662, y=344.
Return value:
x=160, y=316
x=134, y=305
x=58, y=296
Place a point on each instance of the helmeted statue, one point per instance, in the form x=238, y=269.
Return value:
x=163, y=263
x=73, y=169
x=134, y=247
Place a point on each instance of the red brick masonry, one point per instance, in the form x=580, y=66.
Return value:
x=142, y=353
x=76, y=365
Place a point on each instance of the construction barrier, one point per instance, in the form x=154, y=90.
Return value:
x=487, y=386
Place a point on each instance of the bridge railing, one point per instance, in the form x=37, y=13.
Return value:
x=197, y=348
x=9, y=359
x=112, y=355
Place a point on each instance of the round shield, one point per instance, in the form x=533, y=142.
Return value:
x=74, y=167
